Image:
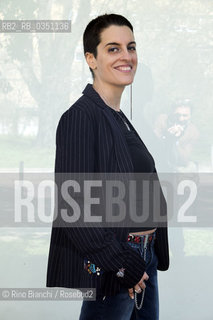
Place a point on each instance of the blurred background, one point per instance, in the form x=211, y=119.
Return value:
x=41, y=76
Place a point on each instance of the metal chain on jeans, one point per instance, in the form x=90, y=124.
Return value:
x=143, y=293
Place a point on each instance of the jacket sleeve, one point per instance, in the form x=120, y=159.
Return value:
x=75, y=152
x=161, y=243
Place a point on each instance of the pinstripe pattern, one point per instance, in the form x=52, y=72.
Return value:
x=88, y=139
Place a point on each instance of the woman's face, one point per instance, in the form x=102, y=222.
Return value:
x=116, y=61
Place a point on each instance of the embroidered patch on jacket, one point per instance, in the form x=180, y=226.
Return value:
x=92, y=268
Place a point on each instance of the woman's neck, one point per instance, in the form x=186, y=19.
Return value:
x=110, y=95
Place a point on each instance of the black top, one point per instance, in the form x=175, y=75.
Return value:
x=142, y=160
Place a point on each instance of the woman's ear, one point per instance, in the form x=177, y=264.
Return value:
x=90, y=59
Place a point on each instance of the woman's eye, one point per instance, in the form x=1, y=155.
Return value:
x=114, y=49
x=132, y=48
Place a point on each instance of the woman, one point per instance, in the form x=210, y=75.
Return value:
x=94, y=135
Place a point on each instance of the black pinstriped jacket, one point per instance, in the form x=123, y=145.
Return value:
x=88, y=139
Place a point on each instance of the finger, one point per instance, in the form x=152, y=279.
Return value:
x=137, y=288
x=145, y=276
x=131, y=293
x=141, y=285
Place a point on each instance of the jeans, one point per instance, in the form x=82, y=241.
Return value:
x=121, y=306
x=150, y=307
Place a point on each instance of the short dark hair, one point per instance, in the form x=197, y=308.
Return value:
x=92, y=33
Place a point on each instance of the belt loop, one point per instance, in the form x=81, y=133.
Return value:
x=146, y=240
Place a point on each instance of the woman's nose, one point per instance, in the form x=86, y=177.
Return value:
x=126, y=55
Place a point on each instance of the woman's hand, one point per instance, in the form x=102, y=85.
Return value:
x=140, y=285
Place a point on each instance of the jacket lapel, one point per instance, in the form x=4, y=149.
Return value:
x=121, y=149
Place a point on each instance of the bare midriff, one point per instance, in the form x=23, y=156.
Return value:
x=144, y=232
